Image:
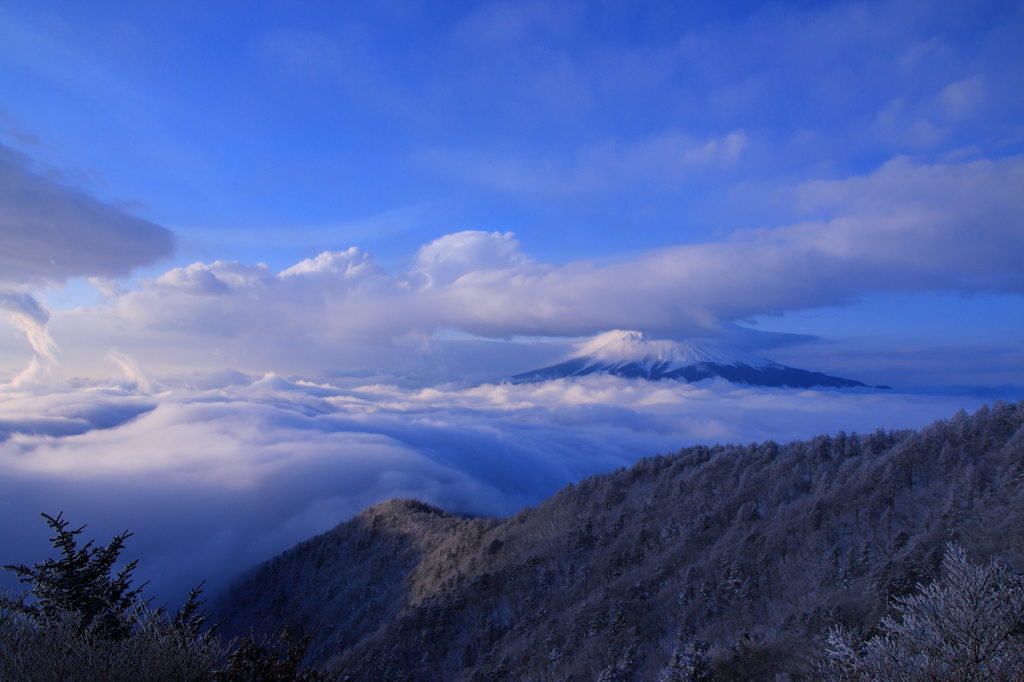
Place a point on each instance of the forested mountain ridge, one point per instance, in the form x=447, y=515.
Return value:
x=756, y=550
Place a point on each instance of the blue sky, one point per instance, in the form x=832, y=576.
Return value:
x=262, y=133
x=541, y=118
x=250, y=251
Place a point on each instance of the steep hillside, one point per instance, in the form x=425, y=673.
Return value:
x=756, y=550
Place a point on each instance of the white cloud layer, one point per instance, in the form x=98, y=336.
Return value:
x=905, y=227
x=224, y=470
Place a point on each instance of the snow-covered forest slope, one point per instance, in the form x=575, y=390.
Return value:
x=757, y=550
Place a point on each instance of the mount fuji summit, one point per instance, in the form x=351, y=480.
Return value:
x=629, y=354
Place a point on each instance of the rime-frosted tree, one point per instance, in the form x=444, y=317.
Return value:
x=967, y=627
x=82, y=581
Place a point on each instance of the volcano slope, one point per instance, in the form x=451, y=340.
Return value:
x=732, y=559
x=633, y=355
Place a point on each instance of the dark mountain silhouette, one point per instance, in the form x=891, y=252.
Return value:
x=731, y=560
x=629, y=354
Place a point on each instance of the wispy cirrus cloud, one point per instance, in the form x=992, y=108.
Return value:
x=30, y=317
x=659, y=162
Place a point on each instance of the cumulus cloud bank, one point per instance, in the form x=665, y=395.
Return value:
x=904, y=227
x=224, y=470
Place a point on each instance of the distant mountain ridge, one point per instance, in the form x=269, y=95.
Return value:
x=628, y=354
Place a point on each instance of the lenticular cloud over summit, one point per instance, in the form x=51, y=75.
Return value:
x=220, y=470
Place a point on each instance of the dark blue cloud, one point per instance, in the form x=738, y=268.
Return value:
x=51, y=231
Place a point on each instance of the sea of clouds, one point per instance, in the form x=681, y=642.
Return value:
x=219, y=471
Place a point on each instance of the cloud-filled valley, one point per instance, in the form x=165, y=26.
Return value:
x=223, y=470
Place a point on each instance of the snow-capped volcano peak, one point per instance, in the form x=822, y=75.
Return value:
x=631, y=354
x=619, y=346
